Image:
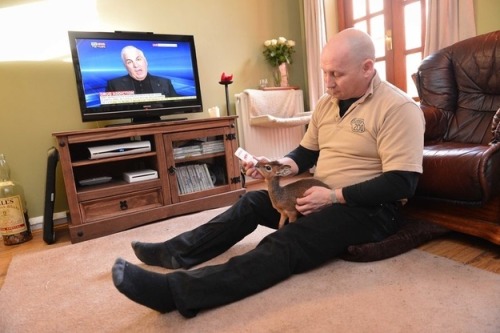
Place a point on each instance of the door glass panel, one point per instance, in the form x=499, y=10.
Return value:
x=376, y=6
x=362, y=25
x=413, y=25
x=380, y=67
x=412, y=62
x=358, y=8
x=377, y=32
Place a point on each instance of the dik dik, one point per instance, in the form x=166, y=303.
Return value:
x=284, y=198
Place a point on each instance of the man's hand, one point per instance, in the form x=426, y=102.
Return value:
x=248, y=168
x=314, y=199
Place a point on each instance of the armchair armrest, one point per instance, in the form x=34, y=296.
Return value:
x=495, y=128
x=435, y=123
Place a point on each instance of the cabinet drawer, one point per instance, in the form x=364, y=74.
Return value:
x=93, y=210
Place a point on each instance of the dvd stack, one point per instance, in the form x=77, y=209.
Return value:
x=207, y=147
x=193, y=178
x=211, y=147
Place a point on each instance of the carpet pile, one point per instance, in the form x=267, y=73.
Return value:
x=69, y=289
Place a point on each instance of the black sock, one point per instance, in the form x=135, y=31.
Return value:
x=155, y=254
x=150, y=289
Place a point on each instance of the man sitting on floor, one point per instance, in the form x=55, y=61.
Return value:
x=366, y=140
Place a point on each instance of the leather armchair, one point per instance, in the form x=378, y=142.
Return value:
x=459, y=90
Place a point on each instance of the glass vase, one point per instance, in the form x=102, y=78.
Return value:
x=280, y=75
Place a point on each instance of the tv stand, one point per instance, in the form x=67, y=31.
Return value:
x=155, y=120
x=194, y=159
x=147, y=121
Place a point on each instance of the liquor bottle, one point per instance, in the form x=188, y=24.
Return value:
x=14, y=221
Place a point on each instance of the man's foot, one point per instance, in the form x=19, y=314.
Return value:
x=150, y=289
x=155, y=254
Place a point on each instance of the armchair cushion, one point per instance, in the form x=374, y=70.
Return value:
x=461, y=82
x=456, y=171
x=435, y=123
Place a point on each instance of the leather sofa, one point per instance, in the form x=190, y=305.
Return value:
x=459, y=91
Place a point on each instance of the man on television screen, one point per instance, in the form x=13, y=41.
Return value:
x=138, y=79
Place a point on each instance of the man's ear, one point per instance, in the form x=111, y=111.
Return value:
x=368, y=67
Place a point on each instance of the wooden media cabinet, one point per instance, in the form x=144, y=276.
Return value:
x=194, y=161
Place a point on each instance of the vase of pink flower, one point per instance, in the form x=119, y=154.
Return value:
x=278, y=53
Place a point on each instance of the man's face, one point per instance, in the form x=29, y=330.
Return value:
x=344, y=79
x=136, y=64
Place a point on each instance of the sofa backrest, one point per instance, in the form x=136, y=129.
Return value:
x=462, y=81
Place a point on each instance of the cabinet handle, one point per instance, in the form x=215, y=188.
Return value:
x=171, y=170
x=123, y=205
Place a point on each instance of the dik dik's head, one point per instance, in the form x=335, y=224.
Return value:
x=272, y=169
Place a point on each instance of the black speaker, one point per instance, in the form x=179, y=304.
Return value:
x=49, y=235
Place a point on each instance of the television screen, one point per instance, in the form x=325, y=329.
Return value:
x=142, y=76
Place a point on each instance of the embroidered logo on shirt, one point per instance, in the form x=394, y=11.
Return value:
x=358, y=125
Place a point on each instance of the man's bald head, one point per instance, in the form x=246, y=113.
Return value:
x=347, y=62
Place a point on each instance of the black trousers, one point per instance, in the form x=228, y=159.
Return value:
x=298, y=247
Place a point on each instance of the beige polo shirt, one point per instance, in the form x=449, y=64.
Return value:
x=382, y=131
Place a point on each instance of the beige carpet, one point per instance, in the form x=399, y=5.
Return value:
x=69, y=289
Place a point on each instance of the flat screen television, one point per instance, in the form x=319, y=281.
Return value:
x=111, y=67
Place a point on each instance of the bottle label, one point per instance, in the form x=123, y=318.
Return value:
x=12, y=219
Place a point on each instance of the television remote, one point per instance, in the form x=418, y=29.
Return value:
x=243, y=155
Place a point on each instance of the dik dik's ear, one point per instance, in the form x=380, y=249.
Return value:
x=285, y=170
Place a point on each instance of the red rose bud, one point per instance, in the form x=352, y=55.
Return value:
x=226, y=78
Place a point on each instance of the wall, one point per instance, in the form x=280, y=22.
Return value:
x=37, y=86
x=487, y=15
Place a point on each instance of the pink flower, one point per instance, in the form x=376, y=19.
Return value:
x=226, y=78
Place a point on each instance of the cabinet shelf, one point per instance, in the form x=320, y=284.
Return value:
x=198, y=157
x=103, y=209
x=112, y=159
x=202, y=194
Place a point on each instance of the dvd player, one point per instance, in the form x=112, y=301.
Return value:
x=119, y=149
x=137, y=176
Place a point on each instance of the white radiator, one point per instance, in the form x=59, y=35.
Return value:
x=272, y=137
